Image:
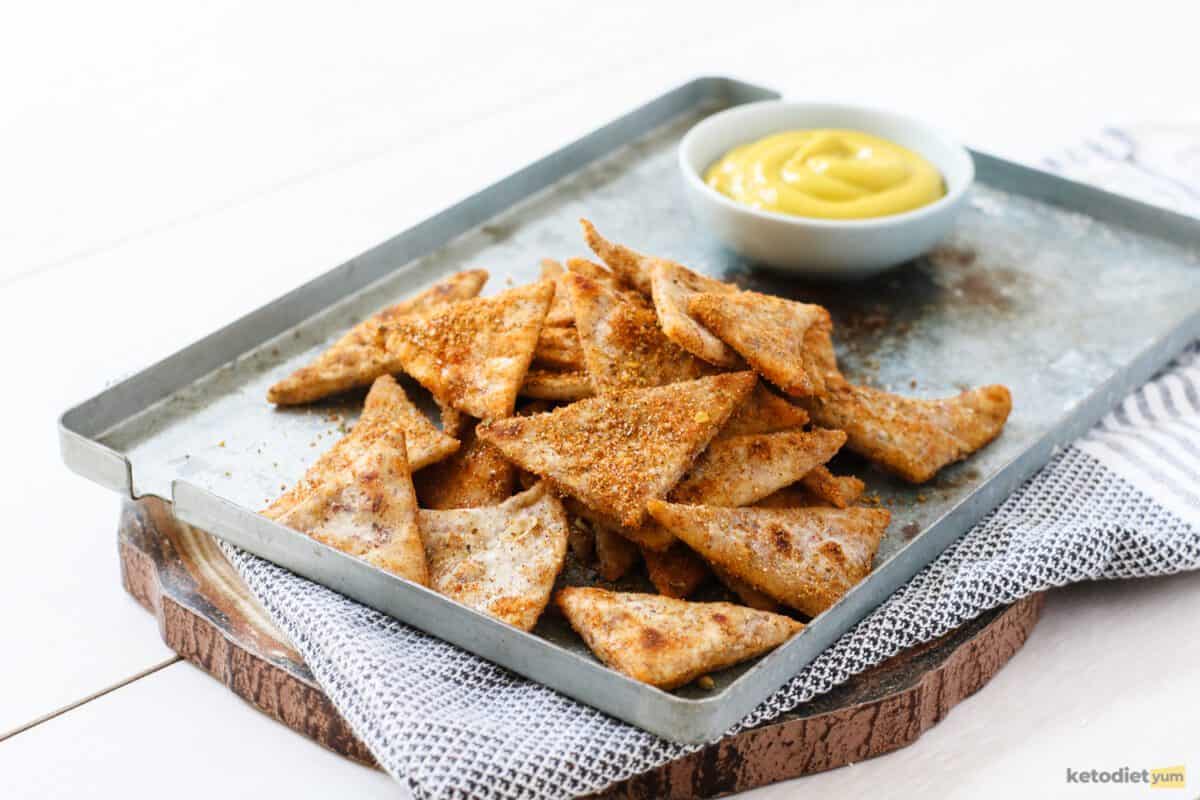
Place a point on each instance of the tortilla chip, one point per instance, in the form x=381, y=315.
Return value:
x=545, y=384
x=454, y=422
x=667, y=642
x=770, y=333
x=622, y=343
x=805, y=558
x=839, y=491
x=764, y=412
x=615, y=555
x=358, y=497
x=742, y=469
x=473, y=355
x=559, y=315
x=616, y=451
x=910, y=437
x=648, y=536
x=626, y=264
x=361, y=355
x=558, y=348
x=672, y=286
x=500, y=560
x=678, y=572
x=749, y=596
x=426, y=444
x=477, y=475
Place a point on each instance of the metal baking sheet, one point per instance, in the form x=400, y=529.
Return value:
x=1069, y=295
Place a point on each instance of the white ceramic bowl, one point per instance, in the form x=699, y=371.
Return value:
x=847, y=248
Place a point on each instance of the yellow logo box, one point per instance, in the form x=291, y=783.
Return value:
x=1168, y=778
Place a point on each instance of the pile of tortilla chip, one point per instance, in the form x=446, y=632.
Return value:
x=626, y=415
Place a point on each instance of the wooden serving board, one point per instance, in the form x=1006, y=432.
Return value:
x=207, y=615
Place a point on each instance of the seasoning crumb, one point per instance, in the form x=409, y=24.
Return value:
x=921, y=498
x=706, y=682
x=701, y=417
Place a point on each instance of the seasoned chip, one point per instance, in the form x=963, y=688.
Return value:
x=361, y=355
x=677, y=572
x=805, y=558
x=454, y=422
x=745, y=592
x=545, y=384
x=673, y=286
x=477, y=475
x=607, y=279
x=615, y=555
x=616, y=451
x=558, y=348
x=839, y=491
x=770, y=333
x=911, y=437
x=559, y=315
x=648, y=536
x=622, y=343
x=667, y=642
x=626, y=264
x=426, y=444
x=764, y=412
x=500, y=560
x=473, y=355
x=739, y=470
x=358, y=497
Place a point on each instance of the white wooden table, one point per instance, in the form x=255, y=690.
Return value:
x=166, y=169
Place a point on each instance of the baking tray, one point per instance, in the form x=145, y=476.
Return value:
x=1069, y=295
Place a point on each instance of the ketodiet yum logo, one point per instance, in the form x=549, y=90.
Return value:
x=1156, y=778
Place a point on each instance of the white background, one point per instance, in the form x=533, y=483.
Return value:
x=165, y=168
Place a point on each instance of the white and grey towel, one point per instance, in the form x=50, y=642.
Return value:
x=1123, y=502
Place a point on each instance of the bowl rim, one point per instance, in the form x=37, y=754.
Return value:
x=950, y=199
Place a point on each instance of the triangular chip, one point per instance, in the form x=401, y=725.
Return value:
x=358, y=498
x=805, y=558
x=764, y=412
x=546, y=384
x=648, y=536
x=749, y=596
x=739, y=470
x=361, y=355
x=677, y=572
x=911, y=437
x=473, y=355
x=615, y=555
x=626, y=264
x=614, y=452
x=477, y=475
x=667, y=642
x=500, y=560
x=607, y=279
x=622, y=343
x=839, y=491
x=770, y=333
x=672, y=286
x=559, y=315
x=558, y=348
x=426, y=444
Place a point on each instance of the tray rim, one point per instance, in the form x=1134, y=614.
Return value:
x=679, y=718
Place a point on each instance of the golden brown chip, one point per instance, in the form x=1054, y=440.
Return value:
x=361, y=355
x=544, y=384
x=677, y=572
x=648, y=536
x=749, y=596
x=805, y=558
x=622, y=343
x=477, y=475
x=454, y=422
x=559, y=315
x=606, y=278
x=558, y=348
x=358, y=497
x=667, y=642
x=616, y=451
x=739, y=470
x=839, y=491
x=473, y=355
x=764, y=412
x=501, y=560
x=673, y=286
x=615, y=555
x=425, y=443
x=626, y=264
x=770, y=333
x=911, y=437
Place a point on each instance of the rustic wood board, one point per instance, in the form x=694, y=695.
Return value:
x=207, y=615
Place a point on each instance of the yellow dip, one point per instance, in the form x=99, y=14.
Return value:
x=833, y=174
